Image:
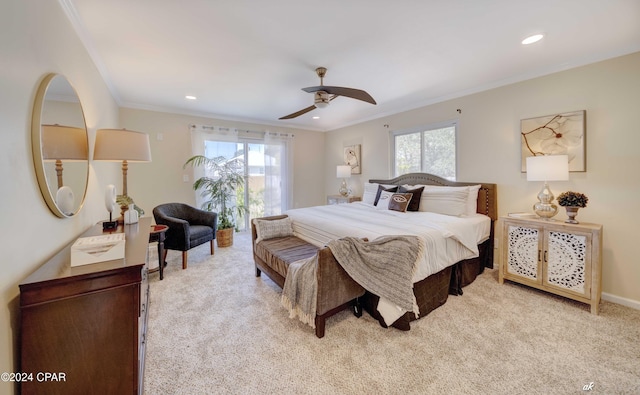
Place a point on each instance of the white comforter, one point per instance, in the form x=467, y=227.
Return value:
x=447, y=239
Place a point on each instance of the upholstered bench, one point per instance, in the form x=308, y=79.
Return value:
x=336, y=290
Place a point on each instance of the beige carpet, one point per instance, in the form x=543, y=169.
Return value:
x=216, y=328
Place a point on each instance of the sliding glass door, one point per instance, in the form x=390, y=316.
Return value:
x=264, y=169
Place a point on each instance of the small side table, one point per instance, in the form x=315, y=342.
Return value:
x=339, y=199
x=158, y=234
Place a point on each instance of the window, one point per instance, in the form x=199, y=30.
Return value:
x=430, y=149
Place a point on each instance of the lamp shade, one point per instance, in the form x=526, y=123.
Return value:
x=548, y=168
x=64, y=143
x=343, y=171
x=122, y=144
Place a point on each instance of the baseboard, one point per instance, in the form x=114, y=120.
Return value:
x=634, y=304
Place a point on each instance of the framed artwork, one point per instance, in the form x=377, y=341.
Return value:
x=352, y=158
x=559, y=134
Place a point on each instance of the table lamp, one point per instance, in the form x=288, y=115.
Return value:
x=547, y=168
x=122, y=145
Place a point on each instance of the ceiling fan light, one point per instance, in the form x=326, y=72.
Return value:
x=321, y=99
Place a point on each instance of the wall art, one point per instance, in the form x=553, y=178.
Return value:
x=353, y=159
x=559, y=134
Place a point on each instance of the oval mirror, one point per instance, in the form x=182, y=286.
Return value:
x=60, y=146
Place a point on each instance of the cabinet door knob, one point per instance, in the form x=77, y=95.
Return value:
x=545, y=256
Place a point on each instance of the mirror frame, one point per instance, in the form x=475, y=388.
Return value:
x=36, y=146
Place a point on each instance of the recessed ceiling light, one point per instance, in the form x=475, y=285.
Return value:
x=532, y=39
x=316, y=117
x=188, y=97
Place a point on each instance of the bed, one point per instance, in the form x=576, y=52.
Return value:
x=459, y=246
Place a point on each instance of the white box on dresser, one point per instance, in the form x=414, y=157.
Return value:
x=99, y=248
x=554, y=256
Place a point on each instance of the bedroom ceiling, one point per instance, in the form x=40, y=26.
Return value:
x=248, y=60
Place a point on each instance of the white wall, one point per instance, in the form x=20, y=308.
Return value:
x=36, y=38
x=161, y=180
x=489, y=151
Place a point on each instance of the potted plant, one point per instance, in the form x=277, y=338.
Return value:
x=220, y=192
x=572, y=201
x=126, y=201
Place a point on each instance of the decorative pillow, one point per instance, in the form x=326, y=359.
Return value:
x=400, y=201
x=370, y=192
x=394, y=201
x=383, y=188
x=383, y=200
x=414, y=205
x=444, y=200
x=269, y=229
x=472, y=199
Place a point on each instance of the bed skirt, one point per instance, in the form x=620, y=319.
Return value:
x=465, y=272
x=433, y=291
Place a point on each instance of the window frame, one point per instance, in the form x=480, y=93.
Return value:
x=420, y=129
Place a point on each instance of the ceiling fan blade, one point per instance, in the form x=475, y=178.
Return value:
x=304, y=110
x=298, y=113
x=342, y=91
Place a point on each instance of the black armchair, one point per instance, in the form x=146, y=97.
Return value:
x=188, y=227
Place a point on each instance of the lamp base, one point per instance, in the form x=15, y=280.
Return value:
x=544, y=208
x=344, y=189
x=109, y=225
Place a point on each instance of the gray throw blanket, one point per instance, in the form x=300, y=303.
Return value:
x=300, y=291
x=384, y=266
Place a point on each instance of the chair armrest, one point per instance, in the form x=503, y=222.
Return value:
x=178, y=232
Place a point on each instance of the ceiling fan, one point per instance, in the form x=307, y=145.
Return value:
x=323, y=94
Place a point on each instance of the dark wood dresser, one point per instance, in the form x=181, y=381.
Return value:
x=83, y=328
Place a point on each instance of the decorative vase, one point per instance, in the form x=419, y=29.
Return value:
x=131, y=215
x=572, y=211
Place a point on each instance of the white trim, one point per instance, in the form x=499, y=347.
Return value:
x=634, y=304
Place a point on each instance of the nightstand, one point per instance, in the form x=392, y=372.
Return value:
x=554, y=256
x=339, y=199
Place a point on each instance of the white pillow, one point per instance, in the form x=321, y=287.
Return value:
x=445, y=200
x=370, y=191
x=472, y=199
x=269, y=229
x=440, y=190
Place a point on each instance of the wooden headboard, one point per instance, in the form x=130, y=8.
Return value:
x=487, y=195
